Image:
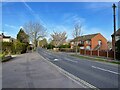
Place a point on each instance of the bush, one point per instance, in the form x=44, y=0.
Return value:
x=66, y=50
x=2, y=56
x=69, y=49
x=7, y=47
x=20, y=47
x=65, y=46
x=50, y=46
x=13, y=48
x=78, y=49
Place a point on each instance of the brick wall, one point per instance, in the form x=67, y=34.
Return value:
x=94, y=42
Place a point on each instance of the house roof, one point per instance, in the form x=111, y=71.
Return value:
x=117, y=32
x=4, y=36
x=85, y=37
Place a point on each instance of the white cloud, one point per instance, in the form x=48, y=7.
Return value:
x=92, y=30
x=21, y=27
x=28, y=7
x=36, y=16
x=11, y=26
x=72, y=18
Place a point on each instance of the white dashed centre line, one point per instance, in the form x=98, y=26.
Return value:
x=106, y=70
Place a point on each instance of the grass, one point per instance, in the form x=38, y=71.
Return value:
x=2, y=55
x=95, y=59
x=4, y=58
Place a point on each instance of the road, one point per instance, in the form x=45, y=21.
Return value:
x=101, y=75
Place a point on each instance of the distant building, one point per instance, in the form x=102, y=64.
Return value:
x=4, y=38
x=91, y=42
x=116, y=38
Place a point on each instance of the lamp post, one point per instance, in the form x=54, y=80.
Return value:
x=114, y=36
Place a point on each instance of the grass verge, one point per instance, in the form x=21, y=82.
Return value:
x=96, y=59
x=4, y=58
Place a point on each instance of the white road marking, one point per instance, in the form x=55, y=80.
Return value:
x=55, y=59
x=105, y=70
x=71, y=60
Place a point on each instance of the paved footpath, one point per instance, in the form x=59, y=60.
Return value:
x=30, y=70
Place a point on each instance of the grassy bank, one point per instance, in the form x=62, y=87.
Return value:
x=96, y=59
x=4, y=58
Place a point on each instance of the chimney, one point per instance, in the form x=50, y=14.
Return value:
x=2, y=34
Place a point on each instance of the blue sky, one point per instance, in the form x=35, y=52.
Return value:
x=96, y=17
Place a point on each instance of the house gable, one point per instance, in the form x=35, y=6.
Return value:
x=99, y=38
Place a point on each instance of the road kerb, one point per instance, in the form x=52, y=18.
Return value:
x=72, y=77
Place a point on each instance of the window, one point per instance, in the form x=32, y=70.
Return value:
x=72, y=42
x=88, y=42
x=99, y=42
x=88, y=47
x=82, y=42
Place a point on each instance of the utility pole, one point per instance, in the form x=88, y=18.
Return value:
x=114, y=19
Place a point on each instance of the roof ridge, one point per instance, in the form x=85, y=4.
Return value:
x=89, y=34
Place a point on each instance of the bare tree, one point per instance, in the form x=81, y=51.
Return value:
x=35, y=30
x=58, y=38
x=76, y=33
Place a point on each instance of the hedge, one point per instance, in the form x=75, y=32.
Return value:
x=65, y=46
x=68, y=50
x=13, y=48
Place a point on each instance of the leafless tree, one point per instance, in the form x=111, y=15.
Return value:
x=35, y=30
x=76, y=33
x=58, y=38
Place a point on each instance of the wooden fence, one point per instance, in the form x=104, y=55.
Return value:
x=108, y=54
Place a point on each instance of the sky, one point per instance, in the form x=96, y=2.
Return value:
x=95, y=17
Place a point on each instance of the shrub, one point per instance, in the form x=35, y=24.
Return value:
x=50, y=46
x=78, y=49
x=64, y=46
x=2, y=56
x=7, y=47
x=13, y=48
x=69, y=49
x=66, y=50
x=20, y=47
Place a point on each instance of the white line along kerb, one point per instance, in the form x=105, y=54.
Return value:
x=105, y=70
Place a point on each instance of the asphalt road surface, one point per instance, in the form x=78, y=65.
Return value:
x=101, y=75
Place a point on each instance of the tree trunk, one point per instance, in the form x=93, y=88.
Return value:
x=76, y=48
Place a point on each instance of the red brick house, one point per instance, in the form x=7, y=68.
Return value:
x=91, y=42
x=117, y=37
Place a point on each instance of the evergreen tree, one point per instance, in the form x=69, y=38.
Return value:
x=22, y=37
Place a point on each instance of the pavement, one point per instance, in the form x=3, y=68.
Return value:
x=31, y=70
x=101, y=75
